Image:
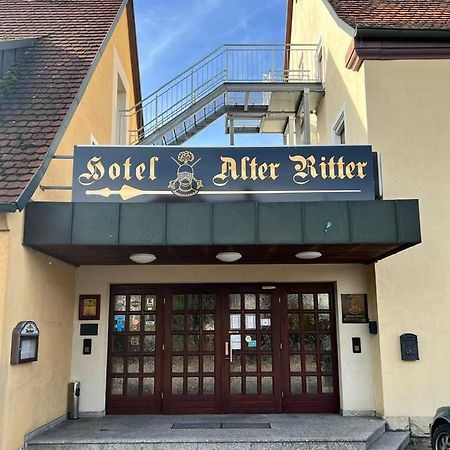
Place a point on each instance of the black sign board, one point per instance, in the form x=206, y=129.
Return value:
x=150, y=173
x=354, y=308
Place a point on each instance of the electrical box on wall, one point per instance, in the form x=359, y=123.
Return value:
x=409, y=347
x=25, y=342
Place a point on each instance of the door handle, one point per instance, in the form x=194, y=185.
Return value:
x=228, y=351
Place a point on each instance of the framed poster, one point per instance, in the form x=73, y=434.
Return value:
x=354, y=308
x=89, y=307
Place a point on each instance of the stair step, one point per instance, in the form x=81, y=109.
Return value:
x=392, y=440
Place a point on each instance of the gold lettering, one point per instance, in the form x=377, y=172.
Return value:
x=244, y=161
x=153, y=161
x=273, y=170
x=140, y=169
x=127, y=167
x=114, y=171
x=262, y=169
x=95, y=171
x=350, y=167
x=304, y=167
x=228, y=169
x=360, y=166
x=253, y=166
x=340, y=165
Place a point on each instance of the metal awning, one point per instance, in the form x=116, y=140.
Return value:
x=193, y=232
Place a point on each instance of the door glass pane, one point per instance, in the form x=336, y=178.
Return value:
x=177, y=302
x=208, y=385
x=177, y=385
x=235, y=365
x=324, y=301
x=133, y=364
x=266, y=321
x=250, y=363
x=251, y=385
x=295, y=363
x=235, y=321
x=296, y=385
x=194, y=322
x=193, y=342
x=120, y=302
x=308, y=301
x=294, y=342
x=119, y=323
x=177, y=343
x=324, y=322
x=310, y=363
x=266, y=385
x=250, y=301
x=310, y=342
x=118, y=344
x=117, y=386
x=327, y=385
x=208, y=363
x=178, y=322
x=177, y=363
x=149, y=364
x=311, y=385
x=250, y=321
x=193, y=301
x=149, y=343
x=134, y=343
x=148, y=386
x=326, y=363
x=294, y=322
x=117, y=365
x=150, y=322
x=235, y=301
x=292, y=301
x=208, y=342
x=132, y=386
x=235, y=385
x=325, y=342
x=251, y=342
x=193, y=364
x=135, y=323
x=135, y=302
x=192, y=385
x=265, y=301
x=266, y=363
x=309, y=322
x=208, y=301
x=208, y=322
x=150, y=303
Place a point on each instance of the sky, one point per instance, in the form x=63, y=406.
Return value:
x=175, y=34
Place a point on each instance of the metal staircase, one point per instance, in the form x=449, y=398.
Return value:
x=237, y=80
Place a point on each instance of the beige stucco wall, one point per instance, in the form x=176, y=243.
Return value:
x=409, y=124
x=91, y=369
x=40, y=288
x=95, y=115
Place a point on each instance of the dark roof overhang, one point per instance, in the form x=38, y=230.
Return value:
x=192, y=232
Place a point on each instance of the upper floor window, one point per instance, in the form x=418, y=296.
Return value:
x=339, y=130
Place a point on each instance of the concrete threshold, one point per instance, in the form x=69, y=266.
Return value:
x=286, y=432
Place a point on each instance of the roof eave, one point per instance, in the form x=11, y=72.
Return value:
x=403, y=33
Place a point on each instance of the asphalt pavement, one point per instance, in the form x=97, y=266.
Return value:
x=419, y=444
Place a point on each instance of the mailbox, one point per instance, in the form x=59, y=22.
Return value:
x=409, y=347
x=25, y=342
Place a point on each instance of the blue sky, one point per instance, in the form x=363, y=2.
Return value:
x=174, y=34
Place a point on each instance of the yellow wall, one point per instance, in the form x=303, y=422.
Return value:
x=95, y=112
x=42, y=289
x=408, y=117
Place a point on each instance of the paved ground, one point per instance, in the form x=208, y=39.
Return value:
x=419, y=444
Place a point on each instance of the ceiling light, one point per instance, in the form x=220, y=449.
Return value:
x=228, y=257
x=142, y=258
x=308, y=255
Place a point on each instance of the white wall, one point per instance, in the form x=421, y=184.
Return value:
x=356, y=373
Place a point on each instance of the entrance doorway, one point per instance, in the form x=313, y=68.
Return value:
x=183, y=349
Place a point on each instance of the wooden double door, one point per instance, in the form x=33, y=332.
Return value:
x=222, y=349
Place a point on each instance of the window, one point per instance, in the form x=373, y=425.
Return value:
x=121, y=119
x=339, y=130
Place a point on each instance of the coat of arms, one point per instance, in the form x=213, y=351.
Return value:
x=185, y=184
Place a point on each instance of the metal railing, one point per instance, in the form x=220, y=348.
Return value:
x=241, y=63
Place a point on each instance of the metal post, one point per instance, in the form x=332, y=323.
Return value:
x=231, y=130
x=291, y=130
x=307, y=117
x=298, y=130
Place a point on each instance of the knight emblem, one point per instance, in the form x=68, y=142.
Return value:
x=185, y=184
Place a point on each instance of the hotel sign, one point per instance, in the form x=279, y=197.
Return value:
x=150, y=173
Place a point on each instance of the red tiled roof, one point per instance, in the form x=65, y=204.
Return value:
x=396, y=14
x=36, y=98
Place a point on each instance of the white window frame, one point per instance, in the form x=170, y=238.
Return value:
x=339, y=127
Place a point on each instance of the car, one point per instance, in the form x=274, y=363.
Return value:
x=440, y=429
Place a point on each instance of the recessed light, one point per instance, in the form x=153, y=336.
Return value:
x=142, y=258
x=308, y=255
x=229, y=257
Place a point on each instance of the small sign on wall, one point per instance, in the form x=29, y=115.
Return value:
x=25, y=343
x=354, y=308
x=89, y=307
